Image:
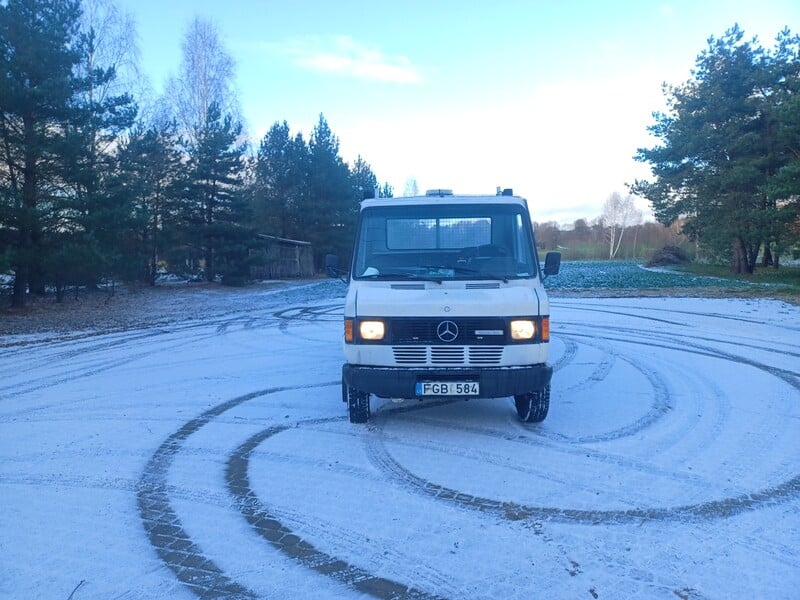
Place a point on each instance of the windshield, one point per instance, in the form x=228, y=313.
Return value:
x=439, y=242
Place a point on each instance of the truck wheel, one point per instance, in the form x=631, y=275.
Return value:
x=533, y=406
x=357, y=405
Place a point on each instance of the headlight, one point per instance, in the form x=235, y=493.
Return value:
x=523, y=329
x=371, y=330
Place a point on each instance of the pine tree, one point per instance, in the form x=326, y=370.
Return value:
x=721, y=147
x=151, y=179
x=216, y=212
x=329, y=212
x=96, y=217
x=38, y=55
x=281, y=174
x=365, y=184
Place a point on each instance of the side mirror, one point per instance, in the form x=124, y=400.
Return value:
x=552, y=263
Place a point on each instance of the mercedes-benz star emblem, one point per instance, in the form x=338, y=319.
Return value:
x=447, y=331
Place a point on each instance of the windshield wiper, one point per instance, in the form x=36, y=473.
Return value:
x=397, y=275
x=495, y=277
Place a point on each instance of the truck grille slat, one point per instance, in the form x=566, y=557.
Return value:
x=413, y=355
x=448, y=355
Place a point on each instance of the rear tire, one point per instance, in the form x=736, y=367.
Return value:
x=357, y=404
x=533, y=406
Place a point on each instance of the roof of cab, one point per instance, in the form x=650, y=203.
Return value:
x=445, y=199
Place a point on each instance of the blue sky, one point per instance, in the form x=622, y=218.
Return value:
x=549, y=98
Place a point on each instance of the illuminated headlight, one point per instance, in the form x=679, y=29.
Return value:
x=371, y=330
x=523, y=329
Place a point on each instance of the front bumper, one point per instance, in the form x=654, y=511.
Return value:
x=497, y=382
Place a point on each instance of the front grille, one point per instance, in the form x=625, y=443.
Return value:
x=485, y=355
x=414, y=355
x=448, y=355
x=471, y=331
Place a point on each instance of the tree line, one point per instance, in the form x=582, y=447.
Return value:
x=600, y=239
x=727, y=162
x=93, y=187
x=99, y=183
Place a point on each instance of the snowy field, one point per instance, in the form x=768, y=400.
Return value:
x=212, y=457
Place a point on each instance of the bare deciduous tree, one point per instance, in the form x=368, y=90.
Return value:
x=114, y=45
x=206, y=78
x=618, y=212
x=411, y=188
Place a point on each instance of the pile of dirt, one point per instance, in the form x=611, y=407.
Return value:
x=668, y=255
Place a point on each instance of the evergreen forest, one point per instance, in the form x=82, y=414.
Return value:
x=100, y=184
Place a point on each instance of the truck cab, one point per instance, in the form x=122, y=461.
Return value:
x=445, y=300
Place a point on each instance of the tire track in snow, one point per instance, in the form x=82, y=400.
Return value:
x=570, y=349
x=163, y=526
x=675, y=337
x=589, y=306
x=201, y=330
x=270, y=528
x=713, y=509
x=186, y=559
x=515, y=511
x=201, y=575
x=659, y=406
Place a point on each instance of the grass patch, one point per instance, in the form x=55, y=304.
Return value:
x=786, y=276
x=630, y=278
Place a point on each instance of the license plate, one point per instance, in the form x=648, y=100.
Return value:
x=448, y=388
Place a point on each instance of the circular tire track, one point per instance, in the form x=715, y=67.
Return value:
x=199, y=573
x=513, y=511
x=204, y=577
x=283, y=539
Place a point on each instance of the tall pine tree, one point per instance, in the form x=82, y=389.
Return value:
x=151, y=181
x=281, y=175
x=96, y=218
x=216, y=210
x=38, y=55
x=330, y=209
x=721, y=146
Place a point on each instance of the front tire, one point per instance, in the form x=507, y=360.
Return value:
x=533, y=406
x=357, y=404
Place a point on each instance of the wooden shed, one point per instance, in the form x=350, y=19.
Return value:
x=285, y=259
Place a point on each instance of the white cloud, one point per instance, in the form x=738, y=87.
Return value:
x=341, y=55
x=565, y=145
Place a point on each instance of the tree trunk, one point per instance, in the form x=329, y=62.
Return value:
x=208, y=257
x=752, y=256
x=739, y=258
x=22, y=272
x=766, y=259
x=20, y=288
x=611, y=235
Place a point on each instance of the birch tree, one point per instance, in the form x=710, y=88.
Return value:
x=205, y=78
x=618, y=212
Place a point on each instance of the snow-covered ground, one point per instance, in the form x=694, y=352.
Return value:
x=212, y=457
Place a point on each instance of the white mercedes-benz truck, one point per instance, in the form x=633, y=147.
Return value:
x=445, y=300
